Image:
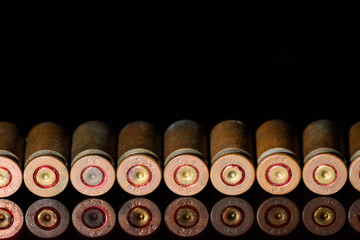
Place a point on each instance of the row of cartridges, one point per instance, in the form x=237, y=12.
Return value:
x=139, y=157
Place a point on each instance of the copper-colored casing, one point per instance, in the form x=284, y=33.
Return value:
x=245, y=223
x=323, y=146
x=277, y=150
x=354, y=153
x=93, y=147
x=11, y=157
x=147, y=205
x=17, y=221
x=324, y=202
x=354, y=215
x=100, y=205
x=231, y=148
x=185, y=146
x=186, y=202
x=47, y=147
x=284, y=206
x=58, y=228
x=139, y=147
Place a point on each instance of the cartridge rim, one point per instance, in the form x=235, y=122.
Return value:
x=53, y=164
x=15, y=180
x=354, y=215
x=283, y=162
x=241, y=186
x=315, y=166
x=354, y=173
x=150, y=164
x=17, y=218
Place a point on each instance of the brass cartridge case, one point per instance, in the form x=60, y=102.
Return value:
x=186, y=217
x=11, y=158
x=232, y=171
x=354, y=153
x=139, y=217
x=354, y=215
x=278, y=171
x=324, y=171
x=46, y=159
x=93, y=218
x=12, y=219
x=92, y=158
x=185, y=152
x=47, y=218
x=324, y=216
x=139, y=153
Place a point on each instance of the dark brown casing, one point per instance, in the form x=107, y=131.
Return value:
x=92, y=158
x=232, y=169
x=46, y=154
x=354, y=215
x=11, y=158
x=278, y=171
x=324, y=171
x=185, y=152
x=139, y=158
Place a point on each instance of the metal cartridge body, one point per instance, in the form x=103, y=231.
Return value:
x=232, y=216
x=186, y=217
x=47, y=218
x=93, y=218
x=354, y=215
x=12, y=219
x=139, y=153
x=11, y=158
x=46, y=159
x=278, y=216
x=278, y=170
x=92, y=158
x=324, y=171
x=324, y=216
x=185, y=152
x=139, y=217
x=232, y=171
x=354, y=153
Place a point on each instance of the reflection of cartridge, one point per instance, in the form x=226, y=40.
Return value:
x=232, y=171
x=11, y=219
x=11, y=158
x=278, y=216
x=324, y=216
x=139, y=217
x=278, y=171
x=324, y=169
x=139, y=152
x=46, y=159
x=354, y=152
x=185, y=151
x=93, y=151
x=93, y=218
x=232, y=216
x=47, y=218
x=354, y=215
x=186, y=217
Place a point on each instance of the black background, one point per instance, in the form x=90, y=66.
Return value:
x=184, y=70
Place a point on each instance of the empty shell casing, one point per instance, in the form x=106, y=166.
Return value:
x=92, y=158
x=324, y=216
x=93, y=218
x=278, y=171
x=232, y=216
x=11, y=158
x=12, y=219
x=186, y=217
x=139, y=217
x=139, y=152
x=278, y=216
x=47, y=218
x=354, y=152
x=46, y=159
x=324, y=170
x=185, y=152
x=232, y=171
